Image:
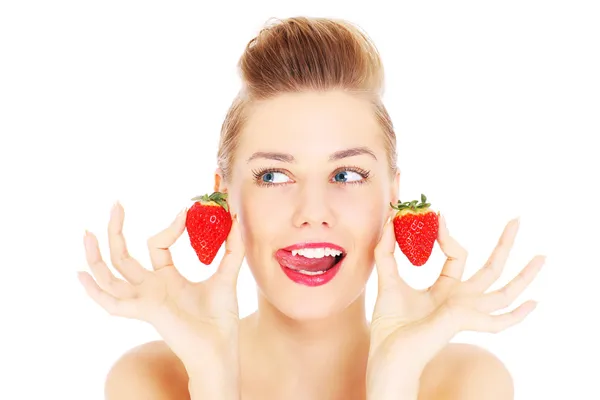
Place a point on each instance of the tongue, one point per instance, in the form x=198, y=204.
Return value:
x=297, y=262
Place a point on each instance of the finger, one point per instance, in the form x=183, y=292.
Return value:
x=127, y=266
x=505, y=296
x=113, y=305
x=385, y=262
x=492, y=269
x=230, y=264
x=456, y=258
x=158, y=245
x=497, y=323
x=106, y=279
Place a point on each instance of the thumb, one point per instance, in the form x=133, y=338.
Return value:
x=229, y=268
x=387, y=268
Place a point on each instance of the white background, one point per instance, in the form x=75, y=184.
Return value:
x=496, y=107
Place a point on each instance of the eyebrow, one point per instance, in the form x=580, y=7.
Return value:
x=338, y=155
x=355, y=151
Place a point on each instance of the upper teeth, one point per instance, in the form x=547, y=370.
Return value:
x=317, y=252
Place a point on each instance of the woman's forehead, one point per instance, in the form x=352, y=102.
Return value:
x=320, y=122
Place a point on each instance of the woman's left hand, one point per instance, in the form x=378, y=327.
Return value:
x=410, y=326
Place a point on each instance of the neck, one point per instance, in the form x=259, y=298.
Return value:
x=330, y=352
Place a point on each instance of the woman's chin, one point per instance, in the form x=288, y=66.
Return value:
x=313, y=297
x=311, y=307
x=308, y=312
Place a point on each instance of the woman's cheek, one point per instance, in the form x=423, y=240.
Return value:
x=357, y=204
x=266, y=210
x=363, y=213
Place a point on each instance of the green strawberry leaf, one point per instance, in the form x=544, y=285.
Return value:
x=217, y=197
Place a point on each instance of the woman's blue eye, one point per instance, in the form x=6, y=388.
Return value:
x=347, y=176
x=270, y=177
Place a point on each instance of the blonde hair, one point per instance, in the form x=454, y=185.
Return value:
x=300, y=54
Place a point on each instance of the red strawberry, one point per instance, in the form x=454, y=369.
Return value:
x=416, y=229
x=208, y=223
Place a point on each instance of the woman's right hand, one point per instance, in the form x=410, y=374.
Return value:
x=198, y=321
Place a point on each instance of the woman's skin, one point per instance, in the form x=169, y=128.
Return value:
x=311, y=167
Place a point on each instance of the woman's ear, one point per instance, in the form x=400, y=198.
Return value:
x=221, y=186
x=395, y=192
x=219, y=182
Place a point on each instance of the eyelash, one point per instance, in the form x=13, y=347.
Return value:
x=260, y=172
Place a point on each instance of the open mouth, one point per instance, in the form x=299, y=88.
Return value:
x=330, y=264
x=311, y=260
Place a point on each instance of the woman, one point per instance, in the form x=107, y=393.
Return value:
x=307, y=156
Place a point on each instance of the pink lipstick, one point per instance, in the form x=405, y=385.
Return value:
x=311, y=264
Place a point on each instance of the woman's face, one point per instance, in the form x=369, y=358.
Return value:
x=311, y=170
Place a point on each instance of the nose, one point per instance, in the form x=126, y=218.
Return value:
x=313, y=208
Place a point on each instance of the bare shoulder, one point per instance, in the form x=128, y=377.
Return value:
x=149, y=371
x=465, y=371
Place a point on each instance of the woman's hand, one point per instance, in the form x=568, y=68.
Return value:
x=410, y=326
x=198, y=321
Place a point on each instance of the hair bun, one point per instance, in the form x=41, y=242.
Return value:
x=310, y=53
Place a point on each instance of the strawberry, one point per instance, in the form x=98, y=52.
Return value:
x=416, y=229
x=208, y=223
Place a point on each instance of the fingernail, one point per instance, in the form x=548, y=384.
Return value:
x=86, y=241
x=182, y=212
x=114, y=208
